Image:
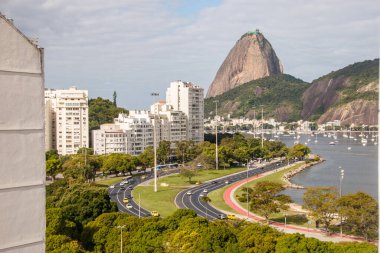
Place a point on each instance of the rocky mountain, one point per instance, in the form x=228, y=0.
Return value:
x=251, y=58
x=349, y=95
x=280, y=96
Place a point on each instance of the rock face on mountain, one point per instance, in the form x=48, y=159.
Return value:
x=251, y=58
x=349, y=95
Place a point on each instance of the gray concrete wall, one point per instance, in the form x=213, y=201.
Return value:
x=22, y=165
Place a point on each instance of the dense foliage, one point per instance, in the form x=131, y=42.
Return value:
x=102, y=111
x=279, y=95
x=184, y=232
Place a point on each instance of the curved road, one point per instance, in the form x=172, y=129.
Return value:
x=193, y=200
x=117, y=194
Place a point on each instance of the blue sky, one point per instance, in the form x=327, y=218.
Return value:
x=135, y=47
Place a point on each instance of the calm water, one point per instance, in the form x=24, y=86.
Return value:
x=359, y=164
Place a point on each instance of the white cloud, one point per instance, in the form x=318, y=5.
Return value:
x=135, y=47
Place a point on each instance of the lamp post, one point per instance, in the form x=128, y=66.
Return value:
x=216, y=134
x=285, y=218
x=139, y=206
x=155, y=145
x=262, y=128
x=247, y=193
x=340, y=195
x=254, y=122
x=121, y=237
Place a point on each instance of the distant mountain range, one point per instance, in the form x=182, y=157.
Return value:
x=349, y=94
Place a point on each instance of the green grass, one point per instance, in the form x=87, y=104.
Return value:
x=292, y=216
x=110, y=181
x=275, y=177
x=163, y=200
x=202, y=176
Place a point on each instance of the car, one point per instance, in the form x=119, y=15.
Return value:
x=214, y=182
x=112, y=186
x=201, y=195
x=155, y=214
x=189, y=193
x=125, y=200
x=205, y=190
x=222, y=216
x=122, y=187
x=129, y=206
x=227, y=182
x=130, y=187
x=231, y=217
x=122, y=183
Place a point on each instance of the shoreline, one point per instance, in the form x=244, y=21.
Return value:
x=287, y=176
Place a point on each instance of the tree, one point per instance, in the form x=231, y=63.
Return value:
x=146, y=158
x=87, y=151
x=185, y=150
x=360, y=212
x=53, y=167
x=114, y=98
x=163, y=151
x=114, y=163
x=322, y=204
x=242, y=154
x=265, y=198
x=188, y=172
x=298, y=151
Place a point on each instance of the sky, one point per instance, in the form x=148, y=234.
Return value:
x=136, y=47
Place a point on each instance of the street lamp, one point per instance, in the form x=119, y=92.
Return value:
x=285, y=218
x=340, y=195
x=254, y=122
x=121, y=237
x=262, y=127
x=139, y=205
x=155, y=145
x=216, y=134
x=247, y=193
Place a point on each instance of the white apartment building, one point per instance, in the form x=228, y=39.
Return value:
x=188, y=98
x=172, y=125
x=66, y=120
x=138, y=130
x=109, y=139
x=22, y=156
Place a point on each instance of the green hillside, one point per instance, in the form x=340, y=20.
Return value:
x=279, y=95
x=360, y=74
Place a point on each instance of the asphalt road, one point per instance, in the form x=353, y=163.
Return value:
x=183, y=199
x=193, y=200
x=117, y=194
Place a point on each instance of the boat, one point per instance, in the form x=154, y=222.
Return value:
x=364, y=140
x=349, y=148
x=331, y=143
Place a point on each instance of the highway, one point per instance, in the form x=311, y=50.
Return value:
x=193, y=201
x=117, y=194
x=183, y=199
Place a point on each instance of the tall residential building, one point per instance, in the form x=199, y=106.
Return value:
x=138, y=131
x=109, y=139
x=22, y=156
x=188, y=98
x=171, y=125
x=66, y=120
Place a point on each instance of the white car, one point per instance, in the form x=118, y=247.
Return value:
x=188, y=193
x=122, y=183
x=205, y=190
x=112, y=186
x=201, y=195
x=129, y=206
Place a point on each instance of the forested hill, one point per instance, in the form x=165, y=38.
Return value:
x=349, y=95
x=280, y=96
x=102, y=111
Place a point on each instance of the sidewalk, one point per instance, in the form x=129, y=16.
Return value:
x=231, y=201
